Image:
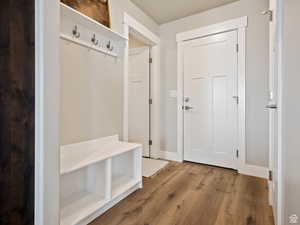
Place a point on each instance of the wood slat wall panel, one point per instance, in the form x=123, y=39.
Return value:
x=95, y=9
x=17, y=112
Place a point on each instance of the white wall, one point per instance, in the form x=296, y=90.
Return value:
x=91, y=94
x=92, y=84
x=117, y=9
x=291, y=108
x=256, y=77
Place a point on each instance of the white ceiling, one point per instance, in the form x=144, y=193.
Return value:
x=163, y=11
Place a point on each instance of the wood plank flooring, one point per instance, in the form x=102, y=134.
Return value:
x=193, y=194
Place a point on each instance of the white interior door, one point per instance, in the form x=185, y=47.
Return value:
x=138, y=95
x=210, y=106
x=272, y=106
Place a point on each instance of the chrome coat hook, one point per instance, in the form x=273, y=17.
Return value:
x=109, y=46
x=75, y=32
x=94, y=41
x=269, y=13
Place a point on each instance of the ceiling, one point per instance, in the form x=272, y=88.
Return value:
x=163, y=11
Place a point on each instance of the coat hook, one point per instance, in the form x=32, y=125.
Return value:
x=75, y=32
x=109, y=46
x=94, y=40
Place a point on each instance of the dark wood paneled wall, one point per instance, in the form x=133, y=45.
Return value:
x=17, y=112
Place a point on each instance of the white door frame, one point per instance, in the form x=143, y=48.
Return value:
x=134, y=51
x=134, y=27
x=239, y=25
x=279, y=46
x=47, y=106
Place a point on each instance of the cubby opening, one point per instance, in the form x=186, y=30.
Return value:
x=83, y=192
x=123, y=172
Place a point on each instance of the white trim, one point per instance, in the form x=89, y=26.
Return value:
x=47, y=104
x=255, y=171
x=242, y=97
x=228, y=25
x=281, y=178
x=171, y=156
x=239, y=25
x=180, y=147
x=133, y=26
x=141, y=29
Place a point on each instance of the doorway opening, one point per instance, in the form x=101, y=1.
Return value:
x=142, y=93
x=139, y=94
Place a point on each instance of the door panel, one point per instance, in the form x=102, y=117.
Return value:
x=210, y=66
x=138, y=91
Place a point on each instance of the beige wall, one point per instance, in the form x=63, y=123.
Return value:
x=291, y=109
x=91, y=94
x=256, y=77
x=117, y=9
x=92, y=84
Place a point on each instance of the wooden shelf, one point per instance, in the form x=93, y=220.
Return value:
x=82, y=157
x=88, y=22
x=78, y=206
x=106, y=40
x=122, y=184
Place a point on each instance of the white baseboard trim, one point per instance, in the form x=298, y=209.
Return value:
x=250, y=170
x=171, y=156
x=255, y=171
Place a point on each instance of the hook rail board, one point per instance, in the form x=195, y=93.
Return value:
x=83, y=30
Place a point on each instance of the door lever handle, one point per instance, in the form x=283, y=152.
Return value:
x=188, y=107
x=271, y=106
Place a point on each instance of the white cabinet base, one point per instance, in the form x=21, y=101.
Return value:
x=96, y=175
x=110, y=204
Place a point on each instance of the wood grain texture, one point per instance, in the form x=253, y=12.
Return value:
x=17, y=112
x=193, y=194
x=95, y=9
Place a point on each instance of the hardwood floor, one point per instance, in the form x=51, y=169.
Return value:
x=193, y=194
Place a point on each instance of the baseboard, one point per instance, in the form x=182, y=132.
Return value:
x=171, y=156
x=255, y=171
x=250, y=170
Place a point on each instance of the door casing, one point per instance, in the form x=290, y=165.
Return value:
x=141, y=32
x=145, y=133
x=276, y=197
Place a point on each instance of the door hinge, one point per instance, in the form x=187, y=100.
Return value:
x=150, y=101
x=150, y=60
x=237, y=47
x=270, y=175
x=237, y=153
x=150, y=142
x=237, y=99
